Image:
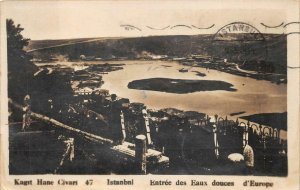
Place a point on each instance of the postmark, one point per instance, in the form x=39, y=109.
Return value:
x=182, y=95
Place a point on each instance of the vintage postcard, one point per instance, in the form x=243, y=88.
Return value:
x=150, y=95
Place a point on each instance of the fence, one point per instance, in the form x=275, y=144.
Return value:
x=269, y=149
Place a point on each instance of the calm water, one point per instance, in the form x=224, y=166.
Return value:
x=252, y=96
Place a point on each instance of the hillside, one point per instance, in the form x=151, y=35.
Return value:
x=269, y=55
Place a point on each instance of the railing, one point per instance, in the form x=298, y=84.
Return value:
x=265, y=141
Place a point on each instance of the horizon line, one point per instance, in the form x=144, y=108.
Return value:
x=107, y=37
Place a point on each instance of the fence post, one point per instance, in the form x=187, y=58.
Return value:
x=276, y=137
x=207, y=120
x=263, y=141
x=140, y=153
x=260, y=130
x=225, y=125
x=216, y=119
x=235, y=126
x=264, y=151
x=275, y=133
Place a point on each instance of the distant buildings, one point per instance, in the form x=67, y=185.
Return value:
x=150, y=56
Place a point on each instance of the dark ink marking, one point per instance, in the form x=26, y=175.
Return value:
x=203, y=28
x=130, y=27
x=272, y=26
x=181, y=25
x=285, y=34
x=158, y=28
x=234, y=28
x=290, y=67
x=290, y=23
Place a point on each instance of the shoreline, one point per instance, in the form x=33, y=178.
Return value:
x=114, y=66
x=232, y=68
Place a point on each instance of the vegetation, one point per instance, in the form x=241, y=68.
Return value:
x=20, y=69
x=268, y=55
x=179, y=86
x=16, y=55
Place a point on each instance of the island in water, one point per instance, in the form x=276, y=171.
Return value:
x=179, y=86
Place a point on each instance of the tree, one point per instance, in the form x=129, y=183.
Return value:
x=15, y=41
x=15, y=47
x=20, y=69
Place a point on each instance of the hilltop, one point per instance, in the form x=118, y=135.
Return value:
x=268, y=55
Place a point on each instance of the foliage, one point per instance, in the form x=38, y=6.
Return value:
x=15, y=43
x=20, y=69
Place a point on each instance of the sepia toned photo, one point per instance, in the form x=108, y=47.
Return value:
x=102, y=89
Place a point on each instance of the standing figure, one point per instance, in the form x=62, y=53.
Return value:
x=26, y=115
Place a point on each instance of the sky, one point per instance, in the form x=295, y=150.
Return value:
x=82, y=19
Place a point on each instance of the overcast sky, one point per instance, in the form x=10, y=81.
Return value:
x=61, y=20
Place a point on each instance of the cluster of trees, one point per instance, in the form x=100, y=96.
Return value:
x=20, y=69
x=16, y=55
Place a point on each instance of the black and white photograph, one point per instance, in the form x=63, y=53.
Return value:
x=104, y=89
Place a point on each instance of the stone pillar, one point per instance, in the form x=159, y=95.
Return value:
x=216, y=141
x=140, y=153
x=145, y=115
x=246, y=134
x=123, y=126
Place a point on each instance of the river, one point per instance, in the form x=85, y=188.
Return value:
x=252, y=96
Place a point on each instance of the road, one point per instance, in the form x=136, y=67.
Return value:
x=254, y=72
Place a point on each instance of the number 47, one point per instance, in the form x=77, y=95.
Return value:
x=89, y=182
